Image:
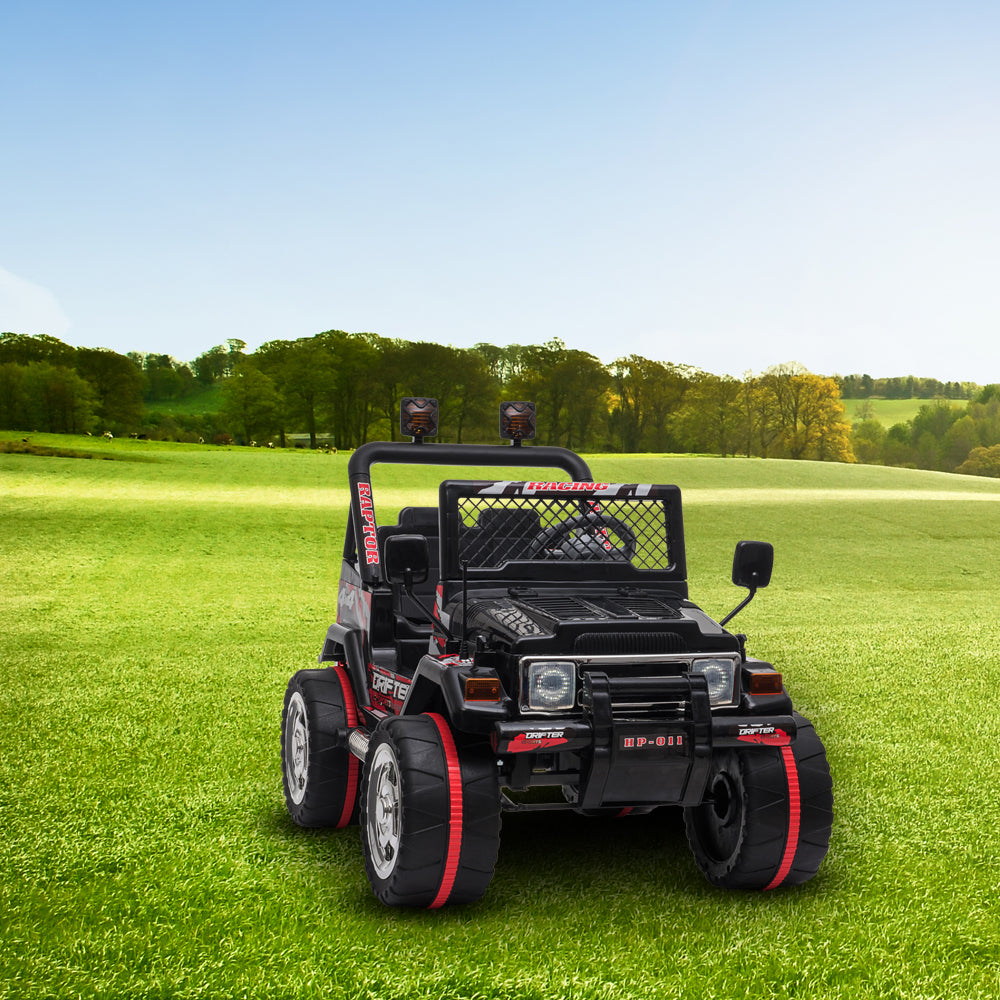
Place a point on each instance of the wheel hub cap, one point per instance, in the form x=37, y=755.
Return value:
x=296, y=748
x=383, y=828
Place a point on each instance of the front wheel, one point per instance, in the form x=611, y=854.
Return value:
x=767, y=816
x=320, y=776
x=430, y=814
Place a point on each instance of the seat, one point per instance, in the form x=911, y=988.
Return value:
x=502, y=534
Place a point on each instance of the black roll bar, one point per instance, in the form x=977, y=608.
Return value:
x=362, y=521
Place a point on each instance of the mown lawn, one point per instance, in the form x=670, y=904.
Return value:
x=154, y=609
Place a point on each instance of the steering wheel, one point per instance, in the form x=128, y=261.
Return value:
x=585, y=537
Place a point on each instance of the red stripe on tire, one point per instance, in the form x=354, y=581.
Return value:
x=353, y=764
x=794, y=816
x=454, y=776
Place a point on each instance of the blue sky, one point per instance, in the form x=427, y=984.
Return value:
x=727, y=185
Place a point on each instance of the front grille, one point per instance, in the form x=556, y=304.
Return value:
x=628, y=643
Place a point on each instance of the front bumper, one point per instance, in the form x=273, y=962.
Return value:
x=641, y=741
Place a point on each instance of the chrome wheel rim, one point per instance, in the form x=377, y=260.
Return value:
x=296, y=748
x=383, y=811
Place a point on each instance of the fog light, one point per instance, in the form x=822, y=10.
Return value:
x=551, y=685
x=517, y=421
x=418, y=417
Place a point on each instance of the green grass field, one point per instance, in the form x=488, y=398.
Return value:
x=153, y=608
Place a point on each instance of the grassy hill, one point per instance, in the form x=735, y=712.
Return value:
x=891, y=411
x=207, y=399
x=155, y=605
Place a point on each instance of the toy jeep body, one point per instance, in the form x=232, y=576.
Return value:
x=538, y=635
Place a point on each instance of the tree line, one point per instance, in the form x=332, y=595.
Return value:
x=347, y=387
x=908, y=387
x=944, y=436
x=342, y=389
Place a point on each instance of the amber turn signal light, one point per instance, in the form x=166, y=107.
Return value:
x=765, y=683
x=482, y=689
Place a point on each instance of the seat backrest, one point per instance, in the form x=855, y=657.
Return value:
x=502, y=535
x=417, y=521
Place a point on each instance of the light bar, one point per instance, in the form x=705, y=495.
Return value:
x=418, y=417
x=517, y=421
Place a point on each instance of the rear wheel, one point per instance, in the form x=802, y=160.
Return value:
x=430, y=814
x=767, y=816
x=320, y=776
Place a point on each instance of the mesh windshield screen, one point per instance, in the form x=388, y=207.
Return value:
x=513, y=523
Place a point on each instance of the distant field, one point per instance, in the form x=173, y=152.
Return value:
x=891, y=411
x=154, y=606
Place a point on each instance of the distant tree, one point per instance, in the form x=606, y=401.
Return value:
x=219, y=362
x=118, y=384
x=352, y=407
x=471, y=395
x=712, y=416
x=165, y=377
x=958, y=442
x=13, y=397
x=567, y=386
x=645, y=397
x=982, y=462
x=899, y=449
x=250, y=403
x=303, y=372
x=59, y=400
x=868, y=440
x=809, y=414
x=504, y=363
x=22, y=349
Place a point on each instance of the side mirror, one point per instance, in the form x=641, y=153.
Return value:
x=406, y=559
x=752, y=564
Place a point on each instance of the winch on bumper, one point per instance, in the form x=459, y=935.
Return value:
x=615, y=755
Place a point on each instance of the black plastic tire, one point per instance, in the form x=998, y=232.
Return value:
x=320, y=776
x=766, y=822
x=430, y=814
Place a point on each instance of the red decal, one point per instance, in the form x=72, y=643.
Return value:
x=387, y=690
x=768, y=738
x=574, y=487
x=523, y=742
x=368, y=523
x=454, y=770
x=353, y=764
x=794, y=816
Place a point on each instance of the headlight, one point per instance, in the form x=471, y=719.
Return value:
x=549, y=685
x=720, y=673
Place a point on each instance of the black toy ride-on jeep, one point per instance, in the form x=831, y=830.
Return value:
x=531, y=645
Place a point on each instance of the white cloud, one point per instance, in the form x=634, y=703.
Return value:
x=29, y=308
